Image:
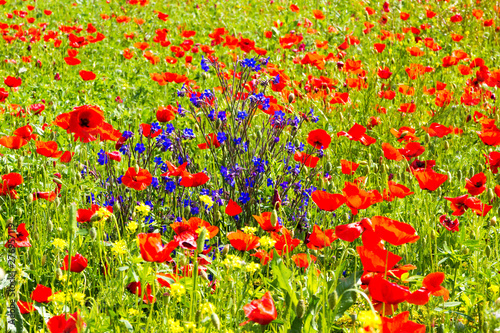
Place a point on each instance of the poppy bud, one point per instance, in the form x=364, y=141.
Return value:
x=427, y=138
x=50, y=226
x=487, y=251
x=203, y=275
x=93, y=233
x=341, y=117
x=57, y=181
x=333, y=299
x=368, y=169
x=274, y=218
x=459, y=175
x=481, y=167
x=291, y=98
x=116, y=207
x=433, y=234
x=493, y=221
x=57, y=201
x=30, y=198
x=329, y=167
x=225, y=250
x=449, y=176
x=301, y=308
x=44, y=260
x=19, y=211
x=446, y=145
x=363, y=162
x=197, y=316
x=497, y=302
x=323, y=183
x=200, y=242
x=276, y=202
x=375, y=168
x=471, y=172
x=215, y=320
x=218, y=215
x=20, y=162
x=491, y=194
x=403, y=134
x=95, y=218
x=459, y=326
x=137, y=168
x=465, y=250
x=59, y=273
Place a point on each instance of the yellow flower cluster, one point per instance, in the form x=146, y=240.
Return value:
x=232, y=261
x=252, y=267
x=132, y=226
x=103, y=214
x=142, y=210
x=59, y=243
x=207, y=200
x=207, y=309
x=177, y=290
x=267, y=242
x=249, y=230
x=119, y=247
x=369, y=319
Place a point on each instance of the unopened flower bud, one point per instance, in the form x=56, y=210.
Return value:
x=291, y=98
x=57, y=181
x=446, y=145
x=332, y=300
x=116, y=207
x=44, y=260
x=137, y=168
x=491, y=194
x=215, y=320
x=50, y=226
x=301, y=308
x=427, y=138
x=487, y=251
x=493, y=221
x=225, y=250
x=93, y=233
x=204, y=275
x=200, y=242
x=59, y=273
x=20, y=162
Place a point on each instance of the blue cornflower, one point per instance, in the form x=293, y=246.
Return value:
x=127, y=134
x=195, y=210
x=276, y=80
x=244, y=197
x=155, y=127
x=204, y=64
x=222, y=116
x=270, y=182
x=158, y=160
x=221, y=137
x=124, y=149
x=170, y=186
x=102, y=157
x=188, y=134
x=119, y=180
x=154, y=182
x=290, y=148
x=170, y=129
x=242, y=115
x=140, y=148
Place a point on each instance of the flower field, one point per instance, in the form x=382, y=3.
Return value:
x=259, y=166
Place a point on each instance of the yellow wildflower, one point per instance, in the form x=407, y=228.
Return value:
x=60, y=244
x=207, y=200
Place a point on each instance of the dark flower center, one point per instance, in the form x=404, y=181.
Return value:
x=478, y=184
x=84, y=122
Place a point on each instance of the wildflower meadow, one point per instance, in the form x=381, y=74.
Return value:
x=249, y=166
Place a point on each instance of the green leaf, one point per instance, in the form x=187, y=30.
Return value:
x=347, y=297
x=127, y=324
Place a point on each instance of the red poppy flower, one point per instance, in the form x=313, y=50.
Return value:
x=431, y=285
x=327, y=201
x=306, y=159
x=136, y=289
x=396, y=190
x=84, y=215
x=458, y=204
x=242, y=241
x=12, y=82
x=391, y=153
x=386, y=295
x=137, y=180
x=357, y=133
x=48, y=149
x=348, y=167
x=12, y=142
x=263, y=256
x=493, y=161
x=72, y=61
x=394, y=232
x=438, y=130
x=25, y=307
x=187, y=240
x=49, y=196
x=25, y=132
x=19, y=238
x=193, y=180
x=265, y=223
x=476, y=184
x=428, y=179
x=163, y=279
x=400, y=324
x=319, y=239
x=302, y=259
x=3, y=95
x=84, y=121
x=10, y=182
x=193, y=224
x=477, y=206
x=358, y=198
x=87, y=75
x=375, y=259
x=380, y=48
x=284, y=241
x=165, y=114
x=261, y=311
x=319, y=139
x=211, y=141
x=78, y=263
x=173, y=171
x=66, y=323
x=449, y=224
x=412, y=149
x=41, y=294
x=146, y=131
x=152, y=248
